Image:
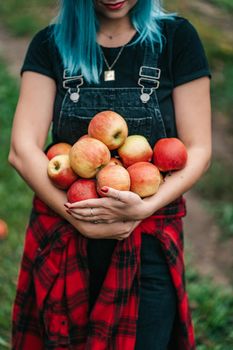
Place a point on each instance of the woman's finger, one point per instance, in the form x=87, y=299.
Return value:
x=87, y=203
x=92, y=220
x=110, y=192
x=120, y=238
x=134, y=224
x=86, y=212
x=93, y=217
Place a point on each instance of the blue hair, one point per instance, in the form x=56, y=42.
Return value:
x=76, y=27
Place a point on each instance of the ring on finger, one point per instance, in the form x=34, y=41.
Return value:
x=92, y=211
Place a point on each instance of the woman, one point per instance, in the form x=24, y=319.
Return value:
x=108, y=273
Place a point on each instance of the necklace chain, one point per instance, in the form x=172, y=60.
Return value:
x=116, y=59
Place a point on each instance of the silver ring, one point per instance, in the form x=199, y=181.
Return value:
x=95, y=222
x=92, y=213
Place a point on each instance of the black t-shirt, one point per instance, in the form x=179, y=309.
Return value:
x=182, y=60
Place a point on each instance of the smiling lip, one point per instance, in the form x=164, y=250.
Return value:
x=116, y=6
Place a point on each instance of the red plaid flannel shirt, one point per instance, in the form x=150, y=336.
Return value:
x=51, y=305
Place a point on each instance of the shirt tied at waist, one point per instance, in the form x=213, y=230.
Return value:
x=51, y=305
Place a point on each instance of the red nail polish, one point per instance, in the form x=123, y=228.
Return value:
x=104, y=189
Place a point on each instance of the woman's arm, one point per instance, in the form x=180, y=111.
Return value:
x=31, y=124
x=193, y=120
x=30, y=129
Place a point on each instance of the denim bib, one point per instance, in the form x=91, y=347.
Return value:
x=138, y=105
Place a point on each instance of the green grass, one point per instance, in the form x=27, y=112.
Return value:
x=216, y=187
x=219, y=51
x=218, y=47
x=212, y=310
x=14, y=209
x=224, y=4
x=26, y=17
x=217, y=183
x=222, y=88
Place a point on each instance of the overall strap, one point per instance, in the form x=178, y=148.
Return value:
x=149, y=73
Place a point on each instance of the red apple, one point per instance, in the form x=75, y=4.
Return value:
x=3, y=229
x=110, y=128
x=135, y=149
x=145, y=178
x=115, y=176
x=57, y=149
x=82, y=189
x=88, y=156
x=60, y=171
x=115, y=161
x=169, y=154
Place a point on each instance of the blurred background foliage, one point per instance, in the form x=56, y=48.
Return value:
x=212, y=305
x=214, y=25
x=26, y=17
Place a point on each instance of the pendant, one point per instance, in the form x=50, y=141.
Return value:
x=145, y=97
x=109, y=75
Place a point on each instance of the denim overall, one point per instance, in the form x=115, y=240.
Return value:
x=140, y=108
x=81, y=103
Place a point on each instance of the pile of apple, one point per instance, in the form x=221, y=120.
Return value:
x=87, y=166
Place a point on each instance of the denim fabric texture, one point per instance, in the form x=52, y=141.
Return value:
x=157, y=295
x=157, y=307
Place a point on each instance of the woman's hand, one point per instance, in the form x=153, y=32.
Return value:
x=116, y=206
x=116, y=230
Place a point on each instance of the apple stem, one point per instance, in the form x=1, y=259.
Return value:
x=117, y=134
x=56, y=165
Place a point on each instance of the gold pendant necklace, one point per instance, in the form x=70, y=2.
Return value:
x=109, y=75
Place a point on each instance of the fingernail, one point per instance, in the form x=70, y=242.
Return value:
x=104, y=189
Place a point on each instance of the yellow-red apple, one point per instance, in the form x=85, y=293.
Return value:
x=57, y=149
x=145, y=178
x=60, y=171
x=169, y=154
x=88, y=156
x=135, y=149
x=110, y=128
x=83, y=137
x=115, y=176
x=3, y=229
x=115, y=161
x=82, y=189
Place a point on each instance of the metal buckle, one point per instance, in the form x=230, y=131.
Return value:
x=155, y=82
x=155, y=72
x=145, y=96
x=67, y=75
x=78, y=79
